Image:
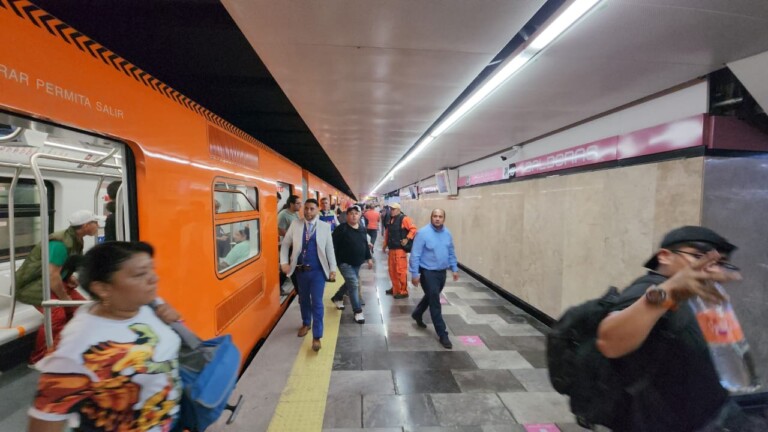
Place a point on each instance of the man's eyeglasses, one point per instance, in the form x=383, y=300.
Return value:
x=722, y=263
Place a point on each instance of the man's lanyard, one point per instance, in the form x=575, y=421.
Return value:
x=308, y=233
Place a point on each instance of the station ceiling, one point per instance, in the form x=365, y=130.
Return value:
x=195, y=47
x=347, y=87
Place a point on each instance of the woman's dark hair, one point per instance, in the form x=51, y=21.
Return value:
x=112, y=189
x=246, y=232
x=105, y=259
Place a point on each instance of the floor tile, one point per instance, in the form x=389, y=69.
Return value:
x=524, y=329
x=347, y=361
x=503, y=428
x=530, y=343
x=470, y=409
x=445, y=429
x=398, y=410
x=500, y=343
x=395, y=360
x=395, y=429
x=399, y=310
x=534, y=380
x=538, y=407
x=570, y=427
x=400, y=342
x=537, y=359
x=350, y=330
x=361, y=382
x=411, y=381
x=358, y=344
x=343, y=411
x=500, y=360
x=488, y=381
x=371, y=329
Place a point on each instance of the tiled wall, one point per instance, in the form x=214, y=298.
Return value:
x=557, y=241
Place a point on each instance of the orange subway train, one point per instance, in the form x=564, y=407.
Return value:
x=190, y=183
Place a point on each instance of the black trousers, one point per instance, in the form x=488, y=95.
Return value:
x=432, y=282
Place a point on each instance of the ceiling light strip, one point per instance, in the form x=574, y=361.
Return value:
x=541, y=40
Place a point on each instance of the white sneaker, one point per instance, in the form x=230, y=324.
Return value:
x=359, y=318
x=339, y=304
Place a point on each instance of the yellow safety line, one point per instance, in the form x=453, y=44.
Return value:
x=302, y=403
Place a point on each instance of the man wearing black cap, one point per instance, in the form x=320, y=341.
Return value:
x=350, y=241
x=658, y=346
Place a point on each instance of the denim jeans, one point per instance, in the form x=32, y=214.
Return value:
x=351, y=286
x=432, y=282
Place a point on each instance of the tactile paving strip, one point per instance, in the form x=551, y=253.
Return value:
x=302, y=402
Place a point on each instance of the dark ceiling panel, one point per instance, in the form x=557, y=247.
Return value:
x=196, y=48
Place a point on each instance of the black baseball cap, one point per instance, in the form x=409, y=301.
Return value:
x=691, y=234
x=353, y=208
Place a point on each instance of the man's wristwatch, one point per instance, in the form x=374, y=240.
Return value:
x=658, y=297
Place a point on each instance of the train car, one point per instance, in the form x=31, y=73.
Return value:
x=192, y=184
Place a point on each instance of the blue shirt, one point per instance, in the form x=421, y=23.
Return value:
x=433, y=250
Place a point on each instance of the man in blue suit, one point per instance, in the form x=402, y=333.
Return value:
x=314, y=261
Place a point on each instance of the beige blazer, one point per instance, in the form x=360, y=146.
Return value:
x=295, y=237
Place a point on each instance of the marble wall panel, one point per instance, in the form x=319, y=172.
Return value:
x=678, y=195
x=628, y=235
x=736, y=205
x=543, y=235
x=583, y=246
x=557, y=241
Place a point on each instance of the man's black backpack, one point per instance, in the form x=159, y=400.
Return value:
x=577, y=369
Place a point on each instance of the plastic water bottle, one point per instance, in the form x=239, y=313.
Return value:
x=728, y=347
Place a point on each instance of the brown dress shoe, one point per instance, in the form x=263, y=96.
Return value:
x=316, y=345
x=304, y=330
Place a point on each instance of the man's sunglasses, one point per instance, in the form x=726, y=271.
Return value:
x=722, y=263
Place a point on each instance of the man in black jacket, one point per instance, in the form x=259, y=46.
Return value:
x=350, y=241
x=659, y=348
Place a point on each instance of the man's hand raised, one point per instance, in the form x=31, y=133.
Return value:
x=698, y=280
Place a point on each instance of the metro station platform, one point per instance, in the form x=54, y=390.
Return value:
x=390, y=375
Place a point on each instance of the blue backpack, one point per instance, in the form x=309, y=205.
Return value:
x=209, y=371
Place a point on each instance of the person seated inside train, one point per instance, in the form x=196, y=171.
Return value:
x=240, y=251
x=29, y=277
x=223, y=244
x=116, y=367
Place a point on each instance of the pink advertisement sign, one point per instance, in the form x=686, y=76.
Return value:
x=595, y=152
x=671, y=136
x=482, y=177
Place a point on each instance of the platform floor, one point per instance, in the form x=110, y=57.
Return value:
x=390, y=375
x=387, y=374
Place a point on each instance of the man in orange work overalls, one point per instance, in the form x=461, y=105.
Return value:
x=398, y=238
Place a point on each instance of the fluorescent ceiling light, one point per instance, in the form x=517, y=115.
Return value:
x=561, y=23
x=541, y=40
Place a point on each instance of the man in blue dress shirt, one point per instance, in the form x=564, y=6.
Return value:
x=432, y=255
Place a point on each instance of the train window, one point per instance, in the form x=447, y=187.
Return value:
x=27, y=216
x=236, y=243
x=235, y=197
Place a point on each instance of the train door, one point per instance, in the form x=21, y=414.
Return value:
x=50, y=177
x=284, y=190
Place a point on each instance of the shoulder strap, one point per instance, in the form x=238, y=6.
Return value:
x=187, y=337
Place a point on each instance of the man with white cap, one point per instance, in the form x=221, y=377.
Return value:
x=398, y=239
x=29, y=277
